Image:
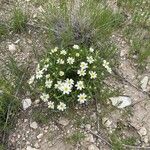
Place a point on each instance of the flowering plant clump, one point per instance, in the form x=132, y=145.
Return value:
x=69, y=76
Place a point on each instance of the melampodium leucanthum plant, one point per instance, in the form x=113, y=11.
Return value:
x=69, y=76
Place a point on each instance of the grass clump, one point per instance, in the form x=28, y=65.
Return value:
x=75, y=137
x=137, y=30
x=3, y=30
x=9, y=107
x=85, y=23
x=19, y=20
x=119, y=143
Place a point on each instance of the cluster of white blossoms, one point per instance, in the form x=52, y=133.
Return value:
x=106, y=65
x=66, y=74
x=65, y=87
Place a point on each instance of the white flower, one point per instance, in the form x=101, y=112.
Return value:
x=70, y=60
x=39, y=74
x=81, y=72
x=60, y=61
x=106, y=65
x=45, y=67
x=82, y=98
x=76, y=47
x=50, y=104
x=31, y=80
x=90, y=60
x=70, y=82
x=77, y=54
x=109, y=69
x=58, y=85
x=38, y=67
x=54, y=50
x=63, y=52
x=91, y=50
x=83, y=65
x=80, y=85
x=44, y=97
x=48, y=83
x=61, y=106
x=93, y=74
x=47, y=76
x=61, y=73
x=65, y=88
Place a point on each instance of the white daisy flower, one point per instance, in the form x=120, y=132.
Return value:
x=44, y=97
x=70, y=60
x=106, y=65
x=90, y=60
x=82, y=98
x=76, y=47
x=93, y=74
x=77, y=54
x=70, y=82
x=58, y=85
x=91, y=50
x=80, y=85
x=47, y=76
x=31, y=80
x=39, y=74
x=60, y=61
x=54, y=50
x=65, y=88
x=81, y=72
x=61, y=106
x=48, y=83
x=63, y=52
x=83, y=65
x=45, y=67
x=61, y=73
x=50, y=104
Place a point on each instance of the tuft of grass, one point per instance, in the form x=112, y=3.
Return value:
x=19, y=20
x=86, y=24
x=118, y=142
x=39, y=2
x=76, y=137
x=3, y=30
x=137, y=30
x=9, y=107
x=40, y=116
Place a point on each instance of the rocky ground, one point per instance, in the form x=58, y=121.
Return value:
x=53, y=135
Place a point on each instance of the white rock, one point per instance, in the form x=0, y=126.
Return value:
x=36, y=145
x=146, y=139
x=34, y=125
x=87, y=126
x=26, y=103
x=121, y=101
x=93, y=147
x=144, y=83
x=12, y=47
x=142, y=131
x=40, y=136
x=63, y=121
x=30, y=148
